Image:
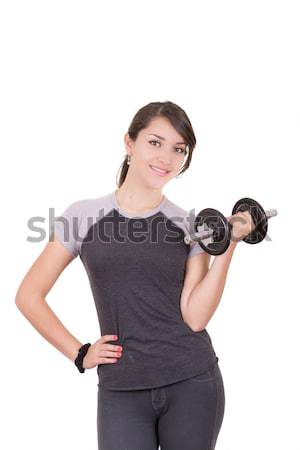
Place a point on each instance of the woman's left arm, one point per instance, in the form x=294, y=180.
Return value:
x=200, y=299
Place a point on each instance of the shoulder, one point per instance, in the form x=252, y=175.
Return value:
x=179, y=214
x=86, y=206
x=72, y=224
x=174, y=208
x=184, y=219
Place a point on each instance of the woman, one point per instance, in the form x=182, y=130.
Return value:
x=159, y=377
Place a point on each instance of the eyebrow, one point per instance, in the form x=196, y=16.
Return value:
x=163, y=139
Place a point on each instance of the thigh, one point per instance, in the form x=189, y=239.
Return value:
x=195, y=411
x=126, y=420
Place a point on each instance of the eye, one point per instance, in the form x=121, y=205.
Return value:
x=181, y=150
x=154, y=141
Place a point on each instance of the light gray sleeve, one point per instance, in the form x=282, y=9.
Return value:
x=195, y=248
x=66, y=228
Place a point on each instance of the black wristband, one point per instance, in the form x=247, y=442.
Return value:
x=81, y=354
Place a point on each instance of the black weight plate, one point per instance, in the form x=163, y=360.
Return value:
x=259, y=218
x=213, y=219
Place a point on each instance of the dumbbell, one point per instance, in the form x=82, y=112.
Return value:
x=213, y=231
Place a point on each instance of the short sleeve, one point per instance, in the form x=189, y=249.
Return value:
x=66, y=228
x=194, y=247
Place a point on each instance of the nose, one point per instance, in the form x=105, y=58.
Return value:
x=165, y=159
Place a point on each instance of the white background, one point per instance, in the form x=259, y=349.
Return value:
x=73, y=74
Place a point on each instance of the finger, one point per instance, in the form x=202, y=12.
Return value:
x=108, y=337
x=108, y=354
x=114, y=348
x=239, y=218
x=107, y=360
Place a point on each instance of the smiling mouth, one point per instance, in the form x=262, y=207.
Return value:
x=159, y=171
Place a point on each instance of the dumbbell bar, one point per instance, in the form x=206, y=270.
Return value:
x=218, y=228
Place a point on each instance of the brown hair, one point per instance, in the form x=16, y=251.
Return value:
x=177, y=117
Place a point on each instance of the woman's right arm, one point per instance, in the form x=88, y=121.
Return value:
x=31, y=301
x=31, y=298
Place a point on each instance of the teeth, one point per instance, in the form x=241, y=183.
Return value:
x=159, y=170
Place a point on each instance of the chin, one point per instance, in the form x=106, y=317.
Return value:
x=157, y=184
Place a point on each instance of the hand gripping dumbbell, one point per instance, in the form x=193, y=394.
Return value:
x=213, y=231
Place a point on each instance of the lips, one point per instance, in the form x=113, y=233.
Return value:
x=159, y=171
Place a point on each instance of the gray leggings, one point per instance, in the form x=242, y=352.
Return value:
x=186, y=415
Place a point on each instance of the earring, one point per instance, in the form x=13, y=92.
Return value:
x=128, y=159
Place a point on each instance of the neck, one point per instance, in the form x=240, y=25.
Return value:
x=137, y=198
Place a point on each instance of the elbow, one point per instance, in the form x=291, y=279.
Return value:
x=195, y=327
x=21, y=305
x=21, y=298
x=188, y=317
x=192, y=324
x=26, y=302
x=20, y=302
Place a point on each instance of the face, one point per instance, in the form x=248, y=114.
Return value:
x=158, y=146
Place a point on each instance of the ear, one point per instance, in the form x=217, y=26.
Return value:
x=128, y=143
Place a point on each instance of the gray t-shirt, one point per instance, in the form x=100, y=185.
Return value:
x=136, y=268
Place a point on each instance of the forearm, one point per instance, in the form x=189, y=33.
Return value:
x=206, y=295
x=45, y=321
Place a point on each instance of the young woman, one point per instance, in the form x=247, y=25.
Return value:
x=159, y=377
